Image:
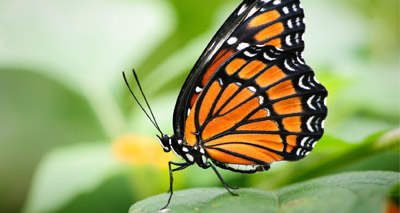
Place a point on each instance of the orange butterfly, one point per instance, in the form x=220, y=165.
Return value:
x=250, y=99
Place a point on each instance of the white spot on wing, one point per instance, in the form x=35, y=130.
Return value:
x=252, y=11
x=198, y=89
x=288, y=67
x=300, y=60
x=294, y=8
x=266, y=56
x=303, y=141
x=232, y=40
x=313, y=144
x=301, y=83
x=252, y=89
x=315, y=79
x=318, y=102
x=242, y=167
x=310, y=104
x=220, y=81
x=309, y=127
x=249, y=54
x=260, y=100
x=244, y=7
x=285, y=10
x=298, y=21
x=296, y=38
x=184, y=149
x=276, y=2
x=310, y=82
x=288, y=41
x=242, y=45
x=289, y=23
x=316, y=124
x=268, y=112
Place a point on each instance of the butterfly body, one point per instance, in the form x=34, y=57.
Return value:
x=250, y=100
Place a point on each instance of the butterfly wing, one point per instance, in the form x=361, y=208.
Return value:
x=262, y=105
x=254, y=22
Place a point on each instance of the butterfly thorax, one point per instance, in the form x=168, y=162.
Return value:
x=191, y=154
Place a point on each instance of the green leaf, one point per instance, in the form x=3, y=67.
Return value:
x=68, y=172
x=347, y=192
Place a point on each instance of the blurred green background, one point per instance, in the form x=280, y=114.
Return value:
x=72, y=140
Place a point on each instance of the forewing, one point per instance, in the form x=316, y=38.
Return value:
x=262, y=105
x=254, y=22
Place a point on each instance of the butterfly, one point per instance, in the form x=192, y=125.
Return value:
x=250, y=99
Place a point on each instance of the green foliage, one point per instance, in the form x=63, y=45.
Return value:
x=64, y=100
x=347, y=192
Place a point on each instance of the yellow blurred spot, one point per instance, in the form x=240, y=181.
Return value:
x=140, y=150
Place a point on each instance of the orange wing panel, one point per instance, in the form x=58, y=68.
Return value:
x=291, y=139
x=270, y=76
x=239, y=98
x=269, y=32
x=227, y=158
x=251, y=69
x=292, y=124
x=242, y=149
x=264, y=18
x=291, y=142
x=234, y=65
x=208, y=101
x=228, y=92
x=227, y=121
x=190, y=128
x=288, y=106
x=260, y=126
x=262, y=113
x=221, y=57
x=289, y=148
x=193, y=100
x=272, y=141
x=275, y=42
x=281, y=90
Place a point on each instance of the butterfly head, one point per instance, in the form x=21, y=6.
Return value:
x=165, y=141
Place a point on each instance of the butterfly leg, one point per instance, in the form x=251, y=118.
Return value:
x=171, y=179
x=223, y=181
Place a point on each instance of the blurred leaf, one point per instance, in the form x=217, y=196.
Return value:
x=37, y=114
x=112, y=195
x=68, y=172
x=355, y=192
x=84, y=45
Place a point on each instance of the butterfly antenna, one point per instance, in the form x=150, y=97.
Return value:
x=151, y=118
